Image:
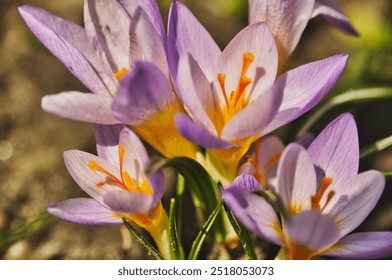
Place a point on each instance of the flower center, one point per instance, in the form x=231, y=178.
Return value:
x=121, y=73
x=260, y=171
x=236, y=101
x=316, y=199
x=125, y=181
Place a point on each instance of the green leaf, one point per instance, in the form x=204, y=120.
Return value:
x=179, y=205
x=377, y=147
x=176, y=251
x=197, y=244
x=243, y=235
x=204, y=191
x=387, y=173
x=149, y=247
x=352, y=96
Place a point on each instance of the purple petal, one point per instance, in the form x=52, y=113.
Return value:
x=148, y=41
x=157, y=183
x=296, y=178
x=85, y=211
x=312, y=229
x=77, y=163
x=256, y=39
x=112, y=35
x=142, y=93
x=363, y=245
x=128, y=202
x=353, y=205
x=50, y=30
x=80, y=106
x=107, y=138
x=253, y=211
x=151, y=9
x=332, y=14
x=252, y=120
x=304, y=86
x=134, y=150
x=198, y=134
x=187, y=35
x=336, y=150
x=194, y=91
x=246, y=182
x=286, y=20
x=305, y=139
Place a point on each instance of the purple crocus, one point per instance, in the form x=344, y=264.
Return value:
x=118, y=186
x=112, y=58
x=287, y=20
x=323, y=199
x=234, y=97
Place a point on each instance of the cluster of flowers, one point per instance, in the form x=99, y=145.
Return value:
x=182, y=95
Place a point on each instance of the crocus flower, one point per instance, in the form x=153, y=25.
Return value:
x=117, y=184
x=287, y=20
x=234, y=97
x=103, y=56
x=323, y=199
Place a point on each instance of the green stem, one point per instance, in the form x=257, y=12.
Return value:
x=176, y=251
x=377, y=147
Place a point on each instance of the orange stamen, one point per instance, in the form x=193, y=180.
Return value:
x=221, y=79
x=316, y=199
x=121, y=73
x=244, y=81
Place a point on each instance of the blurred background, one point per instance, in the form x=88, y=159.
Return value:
x=32, y=172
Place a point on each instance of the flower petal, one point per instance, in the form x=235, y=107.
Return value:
x=331, y=12
x=194, y=91
x=50, y=31
x=354, y=205
x=363, y=245
x=246, y=182
x=312, y=229
x=142, y=93
x=252, y=120
x=287, y=21
x=304, y=86
x=296, y=178
x=77, y=163
x=157, y=183
x=258, y=40
x=336, y=150
x=80, y=106
x=252, y=210
x=128, y=202
x=112, y=35
x=107, y=138
x=187, y=35
x=198, y=134
x=85, y=211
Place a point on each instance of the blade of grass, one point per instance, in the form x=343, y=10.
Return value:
x=176, y=251
x=378, y=146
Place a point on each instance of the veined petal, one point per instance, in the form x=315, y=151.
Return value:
x=135, y=152
x=195, y=93
x=246, y=182
x=286, y=19
x=331, y=12
x=198, y=134
x=157, y=183
x=312, y=229
x=128, y=202
x=363, y=245
x=336, y=151
x=80, y=106
x=142, y=93
x=91, y=181
x=254, y=212
x=296, y=179
x=148, y=41
x=112, y=35
x=252, y=120
x=258, y=40
x=187, y=35
x=304, y=86
x=39, y=22
x=354, y=205
x=107, y=138
x=85, y=211
x=151, y=9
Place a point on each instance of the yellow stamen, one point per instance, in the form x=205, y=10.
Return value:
x=121, y=73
